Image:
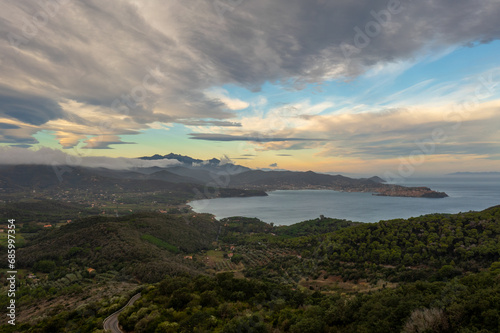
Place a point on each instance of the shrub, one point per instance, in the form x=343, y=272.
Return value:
x=426, y=320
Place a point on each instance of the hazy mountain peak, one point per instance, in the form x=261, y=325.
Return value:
x=182, y=158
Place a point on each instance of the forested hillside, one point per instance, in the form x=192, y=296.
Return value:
x=226, y=304
x=434, y=273
x=142, y=246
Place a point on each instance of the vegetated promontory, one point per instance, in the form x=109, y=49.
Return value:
x=290, y=180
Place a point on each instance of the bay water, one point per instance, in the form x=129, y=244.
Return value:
x=286, y=207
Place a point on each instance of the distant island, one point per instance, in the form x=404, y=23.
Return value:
x=468, y=173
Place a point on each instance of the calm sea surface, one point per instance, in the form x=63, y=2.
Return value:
x=288, y=207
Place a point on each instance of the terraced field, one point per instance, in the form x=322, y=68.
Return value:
x=250, y=258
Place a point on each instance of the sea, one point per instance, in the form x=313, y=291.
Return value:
x=286, y=207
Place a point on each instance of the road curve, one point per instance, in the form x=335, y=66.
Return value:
x=111, y=322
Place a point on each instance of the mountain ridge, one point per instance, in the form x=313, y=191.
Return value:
x=183, y=180
x=245, y=178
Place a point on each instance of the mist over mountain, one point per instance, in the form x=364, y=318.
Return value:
x=184, y=171
x=85, y=158
x=181, y=158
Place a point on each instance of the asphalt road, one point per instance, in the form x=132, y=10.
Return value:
x=111, y=323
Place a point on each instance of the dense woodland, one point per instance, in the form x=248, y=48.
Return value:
x=434, y=273
x=140, y=246
x=226, y=304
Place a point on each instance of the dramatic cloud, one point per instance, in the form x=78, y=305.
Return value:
x=8, y=126
x=29, y=109
x=401, y=132
x=253, y=137
x=231, y=103
x=103, y=142
x=101, y=69
x=47, y=156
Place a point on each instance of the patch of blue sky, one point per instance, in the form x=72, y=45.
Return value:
x=464, y=65
x=47, y=138
x=453, y=67
x=177, y=140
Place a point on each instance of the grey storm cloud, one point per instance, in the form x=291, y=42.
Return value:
x=416, y=149
x=32, y=110
x=255, y=138
x=105, y=144
x=16, y=139
x=211, y=123
x=21, y=146
x=154, y=60
x=8, y=126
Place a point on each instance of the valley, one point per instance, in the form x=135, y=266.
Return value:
x=312, y=265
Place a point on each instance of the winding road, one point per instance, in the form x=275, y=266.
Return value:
x=111, y=322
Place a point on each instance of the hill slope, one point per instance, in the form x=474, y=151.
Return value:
x=146, y=246
x=98, y=185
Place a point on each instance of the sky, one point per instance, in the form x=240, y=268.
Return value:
x=371, y=87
